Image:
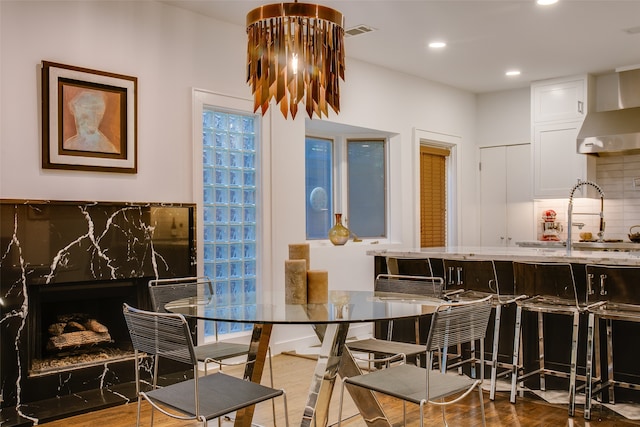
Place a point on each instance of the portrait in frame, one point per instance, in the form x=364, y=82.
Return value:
x=89, y=119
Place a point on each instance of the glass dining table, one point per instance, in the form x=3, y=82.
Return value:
x=330, y=322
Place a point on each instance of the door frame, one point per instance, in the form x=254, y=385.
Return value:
x=441, y=140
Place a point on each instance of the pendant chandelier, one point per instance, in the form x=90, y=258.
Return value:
x=295, y=52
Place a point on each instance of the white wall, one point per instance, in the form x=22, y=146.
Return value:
x=172, y=51
x=504, y=118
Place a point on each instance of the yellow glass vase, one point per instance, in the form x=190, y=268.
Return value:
x=339, y=234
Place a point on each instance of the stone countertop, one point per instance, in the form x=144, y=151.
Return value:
x=515, y=254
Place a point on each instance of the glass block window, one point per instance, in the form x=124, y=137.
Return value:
x=229, y=212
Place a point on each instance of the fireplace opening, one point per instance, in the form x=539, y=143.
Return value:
x=80, y=324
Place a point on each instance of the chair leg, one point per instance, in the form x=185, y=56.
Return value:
x=155, y=382
x=484, y=421
x=494, y=353
x=273, y=403
x=139, y=407
x=515, y=366
x=573, y=366
x=474, y=358
x=612, y=396
x=404, y=413
x=541, y=350
x=589, y=367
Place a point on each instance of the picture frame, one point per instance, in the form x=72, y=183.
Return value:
x=89, y=119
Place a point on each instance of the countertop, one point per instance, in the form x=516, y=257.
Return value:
x=513, y=253
x=606, y=245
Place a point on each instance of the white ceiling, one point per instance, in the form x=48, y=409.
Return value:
x=485, y=38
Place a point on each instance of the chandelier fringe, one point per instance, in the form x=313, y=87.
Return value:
x=312, y=34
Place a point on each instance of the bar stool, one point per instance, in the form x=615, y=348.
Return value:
x=551, y=290
x=616, y=298
x=476, y=279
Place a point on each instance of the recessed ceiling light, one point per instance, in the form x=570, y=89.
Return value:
x=546, y=2
x=437, y=45
x=512, y=73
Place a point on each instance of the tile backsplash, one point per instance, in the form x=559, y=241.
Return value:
x=619, y=178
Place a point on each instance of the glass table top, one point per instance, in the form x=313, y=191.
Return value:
x=342, y=306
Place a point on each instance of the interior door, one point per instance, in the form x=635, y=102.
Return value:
x=521, y=224
x=493, y=196
x=506, y=207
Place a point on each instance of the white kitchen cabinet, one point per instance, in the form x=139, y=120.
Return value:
x=557, y=165
x=506, y=206
x=558, y=108
x=559, y=99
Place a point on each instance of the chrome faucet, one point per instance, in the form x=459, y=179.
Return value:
x=570, y=212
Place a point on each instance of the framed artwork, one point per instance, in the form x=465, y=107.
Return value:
x=89, y=119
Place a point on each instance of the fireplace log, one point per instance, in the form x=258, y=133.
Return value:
x=95, y=326
x=74, y=326
x=56, y=328
x=77, y=339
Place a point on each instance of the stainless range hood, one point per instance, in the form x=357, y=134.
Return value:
x=615, y=132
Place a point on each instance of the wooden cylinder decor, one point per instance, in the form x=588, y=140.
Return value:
x=295, y=277
x=317, y=286
x=300, y=251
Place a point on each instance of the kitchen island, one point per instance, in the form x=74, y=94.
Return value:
x=524, y=254
x=558, y=336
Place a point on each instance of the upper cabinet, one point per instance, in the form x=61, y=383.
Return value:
x=559, y=99
x=558, y=108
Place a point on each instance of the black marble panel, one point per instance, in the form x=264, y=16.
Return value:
x=65, y=243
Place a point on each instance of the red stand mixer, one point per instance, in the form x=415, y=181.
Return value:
x=550, y=228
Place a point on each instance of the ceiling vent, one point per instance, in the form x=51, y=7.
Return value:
x=358, y=30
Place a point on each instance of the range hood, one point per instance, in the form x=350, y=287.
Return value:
x=615, y=132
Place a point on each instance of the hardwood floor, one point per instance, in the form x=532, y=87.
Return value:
x=293, y=373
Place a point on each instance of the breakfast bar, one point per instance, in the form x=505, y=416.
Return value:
x=602, y=279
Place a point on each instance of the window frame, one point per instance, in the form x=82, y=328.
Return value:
x=340, y=176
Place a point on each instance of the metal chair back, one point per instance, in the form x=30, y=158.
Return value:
x=414, y=285
x=552, y=280
x=162, y=291
x=459, y=323
x=614, y=284
x=160, y=334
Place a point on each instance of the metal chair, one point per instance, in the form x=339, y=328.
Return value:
x=163, y=291
x=379, y=350
x=551, y=290
x=614, y=297
x=473, y=279
x=452, y=323
x=168, y=336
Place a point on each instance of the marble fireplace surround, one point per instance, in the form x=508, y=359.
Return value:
x=58, y=252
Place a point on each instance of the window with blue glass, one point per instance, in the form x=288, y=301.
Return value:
x=229, y=212
x=346, y=176
x=318, y=186
x=366, y=187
